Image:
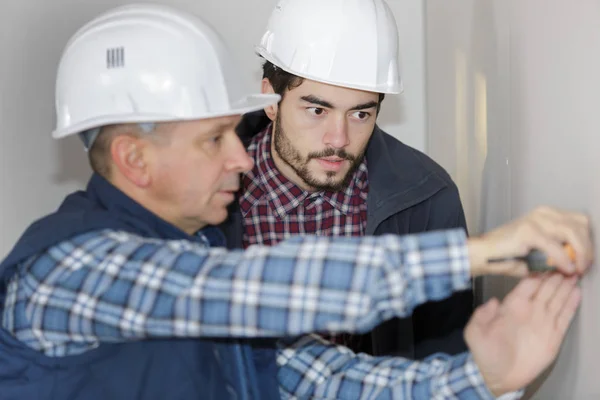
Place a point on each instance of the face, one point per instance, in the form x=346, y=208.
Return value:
x=321, y=132
x=195, y=171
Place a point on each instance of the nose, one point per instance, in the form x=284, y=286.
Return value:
x=239, y=161
x=337, y=134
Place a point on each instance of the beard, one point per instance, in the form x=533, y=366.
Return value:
x=294, y=159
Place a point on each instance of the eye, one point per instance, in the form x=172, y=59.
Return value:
x=361, y=115
x=316, y=111
x=216, y=139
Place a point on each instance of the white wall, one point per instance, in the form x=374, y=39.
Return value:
x=467, y=108
x=555, y=124
x=404, y=115
x=36, y=172
x=513, y=96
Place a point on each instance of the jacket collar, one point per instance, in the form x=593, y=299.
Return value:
x=116, y=202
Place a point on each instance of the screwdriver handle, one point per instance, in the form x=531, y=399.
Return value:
x=537, y=261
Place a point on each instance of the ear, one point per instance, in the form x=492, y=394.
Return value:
x=129, y=157
x=271, y=110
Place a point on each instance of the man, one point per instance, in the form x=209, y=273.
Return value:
x=126, y=292
x=322, y=166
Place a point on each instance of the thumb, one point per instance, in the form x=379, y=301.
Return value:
x=484, y=314
x=480, y=320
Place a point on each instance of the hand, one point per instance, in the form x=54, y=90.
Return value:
x=513, y=342
x=545, y=229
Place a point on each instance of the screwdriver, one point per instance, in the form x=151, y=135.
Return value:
x=536, y=260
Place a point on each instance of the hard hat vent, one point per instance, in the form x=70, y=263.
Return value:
x=115, y=57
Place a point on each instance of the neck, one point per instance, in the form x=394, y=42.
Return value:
x=166, y=212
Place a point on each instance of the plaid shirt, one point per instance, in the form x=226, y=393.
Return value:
x=274, y=208
x=70, y=298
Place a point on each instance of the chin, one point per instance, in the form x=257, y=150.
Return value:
x=217, y=217
x=325, y=178
x=325, y=175
x=325, y=183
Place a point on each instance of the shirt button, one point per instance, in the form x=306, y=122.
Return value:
x=314, y=198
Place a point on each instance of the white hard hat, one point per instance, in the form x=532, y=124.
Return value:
x=148, y=63
x=350, y=43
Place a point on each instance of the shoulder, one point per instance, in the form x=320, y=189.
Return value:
x=408, y=157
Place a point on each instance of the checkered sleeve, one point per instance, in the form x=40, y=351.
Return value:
x=114, y=286
x=310, y=367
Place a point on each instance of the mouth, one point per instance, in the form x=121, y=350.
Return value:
x=228, y=194
x=334, y=164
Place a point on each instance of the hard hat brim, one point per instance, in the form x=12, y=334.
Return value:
x=385, y=89
x=248, y=104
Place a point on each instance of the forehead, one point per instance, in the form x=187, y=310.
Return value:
x=339, y=96
x=207, y=126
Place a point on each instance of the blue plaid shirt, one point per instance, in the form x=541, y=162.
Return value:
x=108, y=286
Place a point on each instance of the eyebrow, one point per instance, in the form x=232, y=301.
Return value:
x=312, y=99
x=222, y=127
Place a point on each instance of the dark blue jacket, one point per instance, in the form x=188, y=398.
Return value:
x=408, y=193
x=174, y=369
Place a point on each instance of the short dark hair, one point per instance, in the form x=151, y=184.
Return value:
x=283, y=81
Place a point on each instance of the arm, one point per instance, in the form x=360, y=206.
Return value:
x=438, y=326
x=114, y=286
x=511, y=344
x=310, y=367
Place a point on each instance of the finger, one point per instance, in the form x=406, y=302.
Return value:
x=557, y=302
x=566, y=315
x=580, y=241
x=518, y=269
x=553, y=248
x=591, y=246
x=582, y=231
x=525, y=289
x=591, y=251
x=547, y=290
x=551, y=222
x=486, y=312
x=572, y=228
x=588, y=240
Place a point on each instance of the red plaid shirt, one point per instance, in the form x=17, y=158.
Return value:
x=274, y=208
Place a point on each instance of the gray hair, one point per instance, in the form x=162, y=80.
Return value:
x=89, y=136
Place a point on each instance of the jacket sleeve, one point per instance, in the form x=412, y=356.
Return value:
x=109, y=286
x=438, y=326
x=310, y=367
